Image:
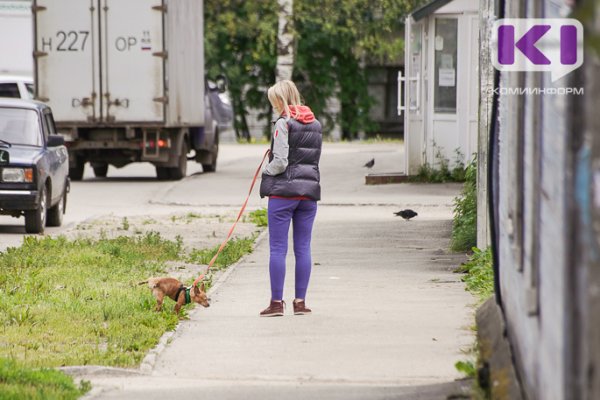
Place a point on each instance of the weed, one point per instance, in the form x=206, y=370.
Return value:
x=259, y=217
x=187, y=218
x=440, y=171
x=466, y=367
x=232, y=252
x=480, y=281
x=20, y=382
x=464, y=227
x=479, y=273
x=125, y=224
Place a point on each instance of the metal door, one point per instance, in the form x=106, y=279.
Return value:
x=66, y=58
x=132, y=56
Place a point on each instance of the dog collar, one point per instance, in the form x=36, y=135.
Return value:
x=186, y=291
x=188, y=299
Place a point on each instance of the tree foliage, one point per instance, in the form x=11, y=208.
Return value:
x=335, y=39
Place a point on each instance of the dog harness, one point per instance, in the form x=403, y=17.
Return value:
x=182, y=288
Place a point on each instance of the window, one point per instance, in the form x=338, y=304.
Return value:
x=446, y=35
x=9, y=90
x=20, y=126
x=50, y=122
x=30, y=91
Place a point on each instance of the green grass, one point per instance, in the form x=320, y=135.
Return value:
x=259, y=217
x=78, y=303
x=479, y=274
x=18, y=382
x=464, y=227
x=479, y=279
x=441, y=172
x=232, y=252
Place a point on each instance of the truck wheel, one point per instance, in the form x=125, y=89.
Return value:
x=180, y=171
x=212, y=167
x=35, y=220
x=55, y=214
x=162, y=173
x=100, y=171
x=76, y=173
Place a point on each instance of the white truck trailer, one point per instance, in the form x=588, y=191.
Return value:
x=125, y=80
x=16, y=38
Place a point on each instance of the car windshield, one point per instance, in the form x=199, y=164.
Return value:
x=20, y=126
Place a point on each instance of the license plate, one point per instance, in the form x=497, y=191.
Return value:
x=4, y=157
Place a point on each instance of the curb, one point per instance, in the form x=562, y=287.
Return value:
x=148, y=363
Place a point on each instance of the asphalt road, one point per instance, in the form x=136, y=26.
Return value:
x=134, y=190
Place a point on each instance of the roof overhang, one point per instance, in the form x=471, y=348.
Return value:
x=428, y=9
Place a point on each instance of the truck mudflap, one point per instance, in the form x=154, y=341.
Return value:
x=197, y=137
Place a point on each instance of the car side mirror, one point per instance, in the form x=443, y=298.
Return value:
x=55, y=140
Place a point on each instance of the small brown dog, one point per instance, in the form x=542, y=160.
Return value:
x=171, y=287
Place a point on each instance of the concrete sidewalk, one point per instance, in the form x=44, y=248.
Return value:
x=389, y=315
x=390, y=318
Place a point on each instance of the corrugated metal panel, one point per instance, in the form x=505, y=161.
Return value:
x=185, y=62
x=65, y=58
x=132, y=62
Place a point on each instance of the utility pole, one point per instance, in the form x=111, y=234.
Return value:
x=285, y=40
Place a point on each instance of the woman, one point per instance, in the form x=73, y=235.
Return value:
x=291, y=181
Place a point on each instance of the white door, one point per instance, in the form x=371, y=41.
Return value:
x=66, y=52
x=133, y=61
x=446, y=59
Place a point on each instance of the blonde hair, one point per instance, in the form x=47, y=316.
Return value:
x=286, y=93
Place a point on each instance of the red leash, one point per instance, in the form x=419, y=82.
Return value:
x=210, y=264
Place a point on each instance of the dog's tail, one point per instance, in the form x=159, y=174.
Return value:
x=151, y=282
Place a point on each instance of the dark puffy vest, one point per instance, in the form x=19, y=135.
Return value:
x=301, y=177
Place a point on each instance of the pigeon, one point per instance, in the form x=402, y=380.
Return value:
x=370, y=164
x=406, y=214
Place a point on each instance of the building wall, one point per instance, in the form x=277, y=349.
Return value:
x=548, y=248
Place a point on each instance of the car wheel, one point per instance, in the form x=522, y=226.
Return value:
x=76, y=173
x=212, y=167
x=180, y=171
x=101, y=171
x=55, y=214
x=162, y=173
x=35, y=220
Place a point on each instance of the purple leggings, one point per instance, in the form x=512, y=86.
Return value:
x=281, y=212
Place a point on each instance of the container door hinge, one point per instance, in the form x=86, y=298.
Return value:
x=163, y=99
x=38, y=54
x=38, y=8
x=161, y=8
x=162, y=54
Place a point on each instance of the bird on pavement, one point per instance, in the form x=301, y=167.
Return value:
x=370, y=164
x=406, y=214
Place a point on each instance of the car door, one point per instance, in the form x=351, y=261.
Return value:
x=57, y=159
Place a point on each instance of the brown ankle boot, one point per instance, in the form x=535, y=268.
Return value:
x=300, y=308
x=275, y=309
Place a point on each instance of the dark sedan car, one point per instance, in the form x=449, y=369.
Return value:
x=34, y=165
